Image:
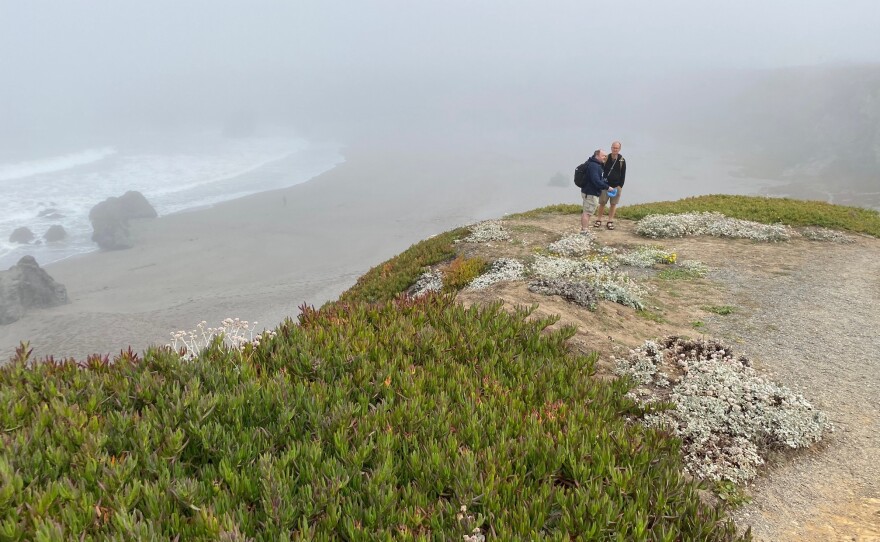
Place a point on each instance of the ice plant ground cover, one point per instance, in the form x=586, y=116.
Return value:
x=461, y=272
x=361, y=421
x=393, y=277
x=726, y=415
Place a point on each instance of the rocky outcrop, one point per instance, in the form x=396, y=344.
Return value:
x=55, y=233
x=21, y=235
x=110, y=219
x=27, y=286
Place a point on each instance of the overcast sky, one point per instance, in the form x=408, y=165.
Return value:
x=84, y=64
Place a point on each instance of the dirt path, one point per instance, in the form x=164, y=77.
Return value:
x=816, y=328
x=808, y=316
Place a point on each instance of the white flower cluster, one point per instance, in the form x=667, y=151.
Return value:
x=626, y=293
x=610, y=284
x=466, y=520
x=430, y=281
x=234, y=332
x=711, y=223
x=501, y=269
x=725, y=415
x=643, y=365
x=555, y=267
x=573, y=245
x=814, y=233
x=489, y=230
x=646, y=256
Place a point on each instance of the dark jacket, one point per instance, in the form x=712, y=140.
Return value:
x=615, y=173
x=595, y=182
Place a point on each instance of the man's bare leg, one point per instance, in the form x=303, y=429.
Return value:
x=585, y=221
x=599, y=212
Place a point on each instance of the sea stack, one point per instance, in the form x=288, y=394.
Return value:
x=110, y=219
x=27, y=286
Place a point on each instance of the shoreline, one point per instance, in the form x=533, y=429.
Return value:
x=296, y=166
x=262, y=256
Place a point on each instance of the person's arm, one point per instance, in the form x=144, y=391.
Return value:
x=622, y=172
x=596, y=177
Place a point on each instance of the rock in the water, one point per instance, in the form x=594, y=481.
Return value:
x=56, y=232
x=21, y=235
x=135, y=205
x=110, y=219
x=27, y=286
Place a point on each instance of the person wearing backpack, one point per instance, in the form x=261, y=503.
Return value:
x=614, y=169
x=592, y=186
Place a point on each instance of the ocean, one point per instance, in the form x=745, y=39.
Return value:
x=187, y=173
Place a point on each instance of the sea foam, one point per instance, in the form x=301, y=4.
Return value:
x=197, y=173
x=30, y=168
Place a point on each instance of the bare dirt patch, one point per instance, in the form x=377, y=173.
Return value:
x=805, y=312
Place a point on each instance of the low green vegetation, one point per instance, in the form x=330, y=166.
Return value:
x=558, y=209
x=698, y=324
x=766, y=210
x=525, y=228
x=389, y=279
x=731, y=493
x=649, y=315
x=723, y=310
x=679, y=273
x=360, y=422
x=461, y=272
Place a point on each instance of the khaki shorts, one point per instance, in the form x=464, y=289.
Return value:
x=603, y=198
x=590, y=203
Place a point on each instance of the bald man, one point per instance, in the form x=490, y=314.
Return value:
x=615, y=173
x=594, y=185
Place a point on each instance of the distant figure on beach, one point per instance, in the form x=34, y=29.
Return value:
x=615, y=173
x=593, y=187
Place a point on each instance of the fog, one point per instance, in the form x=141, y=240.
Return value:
x=759, y=88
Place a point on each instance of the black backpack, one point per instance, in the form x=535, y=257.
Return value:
x=580, y=175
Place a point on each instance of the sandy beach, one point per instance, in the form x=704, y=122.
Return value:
x=260, y=257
